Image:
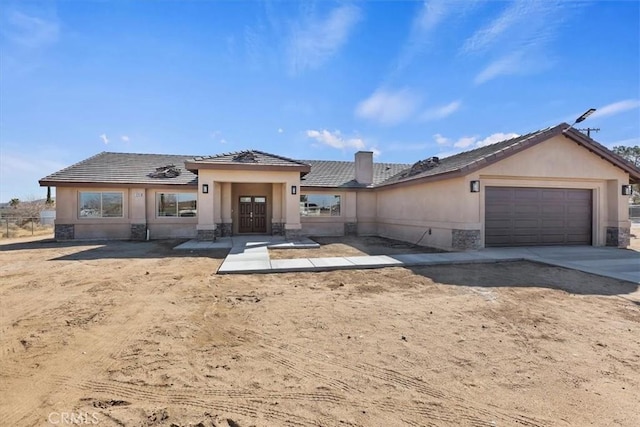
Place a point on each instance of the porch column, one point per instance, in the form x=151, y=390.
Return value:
x=138, y=213
x=206, y=225
x=224, y=228
x=292, y=226
x=618, y=227
x=277, y=208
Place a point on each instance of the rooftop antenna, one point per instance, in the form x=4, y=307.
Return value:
x=589, y=130
x=580, y=119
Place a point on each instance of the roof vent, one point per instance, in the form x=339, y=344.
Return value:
x=245, y=157
x=169, y=171
x=423, y=165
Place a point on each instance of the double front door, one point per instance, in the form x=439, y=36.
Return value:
x=253, y=214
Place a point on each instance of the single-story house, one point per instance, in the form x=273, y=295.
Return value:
x=555, y=186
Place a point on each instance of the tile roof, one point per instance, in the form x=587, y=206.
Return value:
x=249, y=157
x=125, y=168
x=468, y=161
x=328, y=173
x=464, y=160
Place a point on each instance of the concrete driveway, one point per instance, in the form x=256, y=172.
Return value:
x=623, y=264
x=250, y=255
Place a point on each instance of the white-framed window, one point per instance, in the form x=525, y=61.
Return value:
x=319, y=205
x=176, y=204
x=100, y=204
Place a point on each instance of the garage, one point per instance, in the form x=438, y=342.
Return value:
x=519, y=216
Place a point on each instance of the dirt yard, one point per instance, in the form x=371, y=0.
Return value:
x=350, y=246
x=136, y=334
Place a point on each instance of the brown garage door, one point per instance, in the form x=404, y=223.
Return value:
x=517, y=216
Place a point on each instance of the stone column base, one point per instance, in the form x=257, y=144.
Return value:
x=224, y=229
x=206, y=235
x=462, y=240
x=64, y=231
x=277, y=229
x=293, y=233
x=350, y=228
x=138, y=232
x=618, y=236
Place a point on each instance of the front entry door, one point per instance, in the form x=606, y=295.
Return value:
x=253, y=214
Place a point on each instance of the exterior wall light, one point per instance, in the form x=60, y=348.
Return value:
x=294, y=190
x=627, y=190
x=474, y=186
x=205, y=188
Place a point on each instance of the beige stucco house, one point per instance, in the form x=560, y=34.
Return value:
x=555, y=186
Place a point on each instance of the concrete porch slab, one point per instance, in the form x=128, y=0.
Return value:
x=373, y=261
x=292, y=265
x=332, y=262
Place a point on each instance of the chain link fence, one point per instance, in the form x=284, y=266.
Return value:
x=23, y=227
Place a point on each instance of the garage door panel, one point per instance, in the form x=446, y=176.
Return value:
x=552, y=223
x=525, y=224
x=579, y=195
x=522, y=192
x=537, y=216
x=552, y=210
x=552, y=195
x=528, y=208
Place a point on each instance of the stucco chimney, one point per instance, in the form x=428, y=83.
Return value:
x=364, y=167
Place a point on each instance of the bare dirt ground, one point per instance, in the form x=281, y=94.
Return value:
x=136, y=334
x=350, y=246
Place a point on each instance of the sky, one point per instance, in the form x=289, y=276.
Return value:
x=307, y=80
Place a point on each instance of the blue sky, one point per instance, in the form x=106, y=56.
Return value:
x=308, y=80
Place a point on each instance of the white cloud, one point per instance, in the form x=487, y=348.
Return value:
x=442, y=111
x=104, y=138
x=518, y=37
x=280, y=130
x=520, y=23
x=315, y=40
x=510, y=64
x=387, y=107
x=31, y=31
x=441, y=140
x=496, y=137
x=426, y=20
x=616, y=108
x=471, y=142
x=465, y=142
x=222, y=141
x=431, y=14
x=125, y=138
x=335, y=139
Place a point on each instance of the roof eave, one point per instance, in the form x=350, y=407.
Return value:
x=53, y=183
x=604, y=153
x=194, y=166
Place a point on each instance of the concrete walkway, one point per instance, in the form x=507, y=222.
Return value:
x=249, y=254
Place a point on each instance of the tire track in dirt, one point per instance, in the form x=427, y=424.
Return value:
x=26, y=409
x=119, y=388
x=220, y=400
x=299, y=369
x=286, y=353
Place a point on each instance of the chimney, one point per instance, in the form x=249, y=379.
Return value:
x=364, y=167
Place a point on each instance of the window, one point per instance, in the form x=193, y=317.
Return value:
x=101, y=205
x=176, y=204
x=319, y=205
